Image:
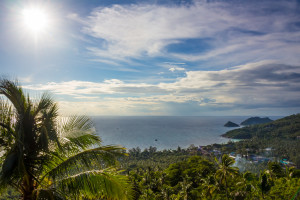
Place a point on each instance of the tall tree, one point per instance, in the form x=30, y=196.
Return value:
x=45, y=156
x=225, y=171
x=265, y=183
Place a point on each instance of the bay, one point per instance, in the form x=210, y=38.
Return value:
x=163, y=132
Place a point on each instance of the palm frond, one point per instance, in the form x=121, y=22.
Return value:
x=6, y=124
x=50, y=194
x=77, y=133
x=14, y=93
x=47, y=127
x=6, y=112
x=74, y=125
x=83, y=142
x=9, y=165
x=7, y=134
x=94, y=158
x=227, y=161
x=10, y=168
x=96, y=184
x=45, y=103
x=44, y=139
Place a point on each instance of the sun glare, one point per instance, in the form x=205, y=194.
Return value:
x=35, y=19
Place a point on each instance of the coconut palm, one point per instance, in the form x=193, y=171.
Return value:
x=265, y=182
x=225, y=171
x=44, y=156
x=185, y=186
x=209, y=186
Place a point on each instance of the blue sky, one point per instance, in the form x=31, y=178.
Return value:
x=158, y=57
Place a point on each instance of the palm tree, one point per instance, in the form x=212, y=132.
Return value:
x=225, y=171
x=45, y=156
x=209, y=186
x=185, y=185
x=275, y=170
x=265, y=183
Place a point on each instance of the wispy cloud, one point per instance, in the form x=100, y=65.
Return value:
x=236, y=32
x=173, y=69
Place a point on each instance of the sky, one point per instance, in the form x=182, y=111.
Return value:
x=152, y=57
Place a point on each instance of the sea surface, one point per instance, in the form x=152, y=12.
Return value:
x=163, y=132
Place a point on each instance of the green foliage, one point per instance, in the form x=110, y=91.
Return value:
x=285, y=128
x=280, y=136
x=199, y=178
x=256, y=120
x=47, y=157
x=150, y=157
x=194, y=177
x=9, y=193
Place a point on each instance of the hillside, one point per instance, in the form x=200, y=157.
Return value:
x=285, y=128
x=256, y=120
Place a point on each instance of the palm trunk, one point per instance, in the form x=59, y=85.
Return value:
x=186, y=197
x=226, y=188
x=27, y=196
x=28, y=188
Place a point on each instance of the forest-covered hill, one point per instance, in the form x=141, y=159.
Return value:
x=285, y=128
x=256, y=120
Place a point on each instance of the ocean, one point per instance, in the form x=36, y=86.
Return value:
x=163, y=132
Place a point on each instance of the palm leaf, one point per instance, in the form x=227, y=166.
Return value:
x=50, y=194
x=94, y=158
x=83, y=142
x=6, y=125
x=46, y=102
x=77, y=133
x=96, y=184
x=9, y=166
x=47, y=127
x=71, y=126
x=14, y=93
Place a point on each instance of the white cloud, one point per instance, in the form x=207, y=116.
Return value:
x=283, y=47
x=135, y=30
x=75, y=88
x=173, y=69
x=237, y=33
x=256, y=85
x=109, y=107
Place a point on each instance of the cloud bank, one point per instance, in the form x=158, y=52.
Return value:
x=253, y=86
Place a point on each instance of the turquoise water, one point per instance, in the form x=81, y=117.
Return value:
x=163, y=132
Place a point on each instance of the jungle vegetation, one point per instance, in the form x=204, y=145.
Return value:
x=285, y=128
x=45, y=156
x=199, y=178
x=281, y=136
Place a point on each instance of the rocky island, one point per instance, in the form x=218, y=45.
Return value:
x=231, y=124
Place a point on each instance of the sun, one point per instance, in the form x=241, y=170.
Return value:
x=35, y=20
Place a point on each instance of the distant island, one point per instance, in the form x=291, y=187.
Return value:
x=256, y=120
x=231, y=124
x=285, y=128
